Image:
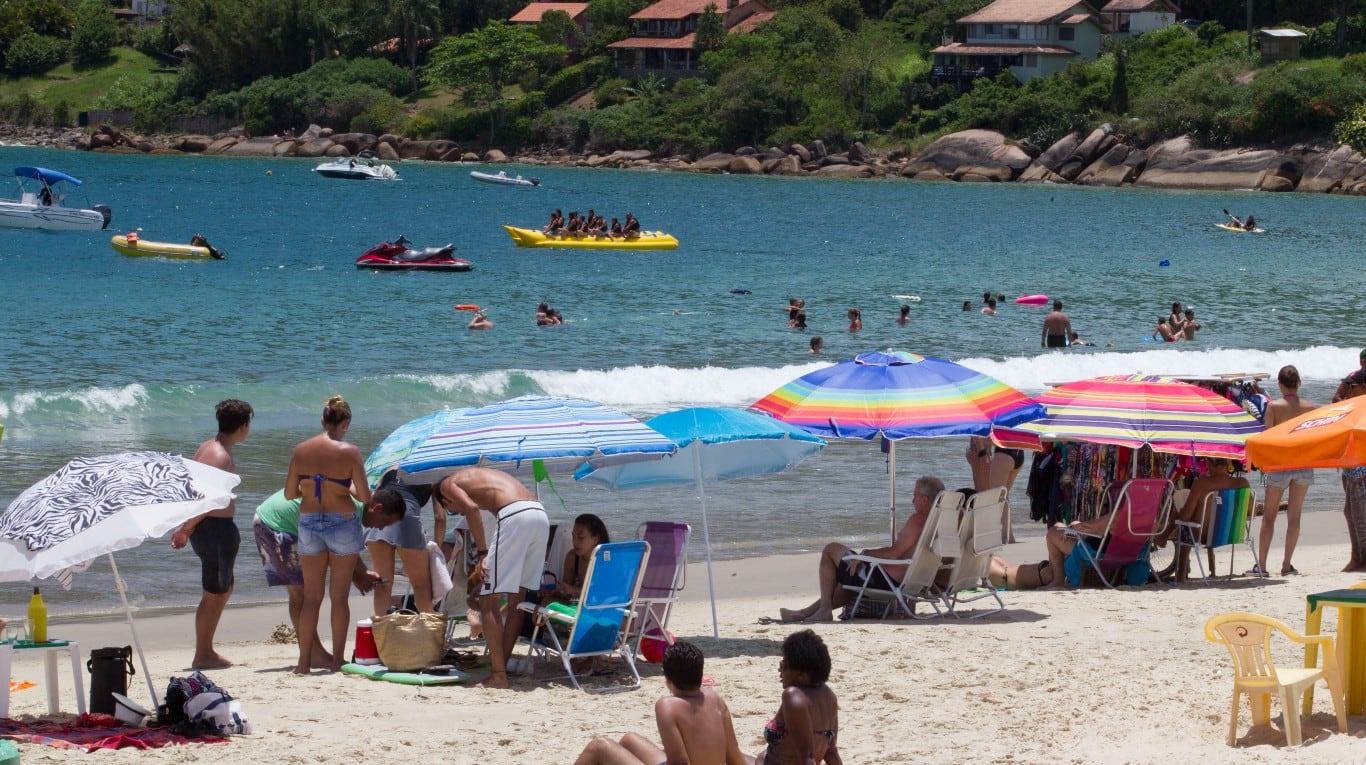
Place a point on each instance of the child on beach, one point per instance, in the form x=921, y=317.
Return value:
x=589, y=532
x=806, y=727
x=694, y=722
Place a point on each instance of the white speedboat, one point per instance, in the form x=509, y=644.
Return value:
x=43, y=205
x=358, y=168
x=502, y=177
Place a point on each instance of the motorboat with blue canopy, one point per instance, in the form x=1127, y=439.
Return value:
x=42, y=203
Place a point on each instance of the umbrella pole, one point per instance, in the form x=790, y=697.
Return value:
x=706, y=540
x=128, y=611
x=891, y=467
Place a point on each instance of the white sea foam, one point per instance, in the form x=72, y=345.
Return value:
x=98, y=399
x=656, y=389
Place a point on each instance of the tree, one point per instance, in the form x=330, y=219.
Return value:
x=711, y=30
x=95, y=34
x=412, y=19
x=1119, y=87
x=557, y=28
x=483, y=62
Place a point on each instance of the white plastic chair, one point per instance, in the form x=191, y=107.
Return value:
x=979, y=535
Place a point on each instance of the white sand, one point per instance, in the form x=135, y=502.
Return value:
x=1090, y=676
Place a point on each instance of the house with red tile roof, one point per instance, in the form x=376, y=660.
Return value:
x=1030, y=38
x=664, y=32
x=1127, y=18
x=532, y=14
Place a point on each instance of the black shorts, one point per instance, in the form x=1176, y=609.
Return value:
x=1056, y=341
x=1015, y=454
x=853, y=574
x=215, y=541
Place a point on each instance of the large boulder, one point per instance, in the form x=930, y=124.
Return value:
x=409, y=149
x=803, y=155
x=1109, y=170
x=355, y=143
x=718, y=162
x=1284, y=174
x=386, y=151
x=495, y=156
x=337, y=150
x=285, y=148
x=746, y=165
x=858, y=153
x=309, y=134
x=317, y=147
x=1174, y=165
x=1332, y=171
x=1096, y=144
x=1052, y=157
x=787, y=165
x=191, y=143
x=221, y=145
x=845, y=170
x=818, y=150
x=976, y=152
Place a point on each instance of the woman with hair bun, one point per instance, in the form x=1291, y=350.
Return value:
x=324, y=472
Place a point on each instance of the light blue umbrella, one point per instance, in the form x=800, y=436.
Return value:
x=713, y=445
x=561, y=434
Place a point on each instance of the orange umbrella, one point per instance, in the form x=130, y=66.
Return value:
x=1332, y=436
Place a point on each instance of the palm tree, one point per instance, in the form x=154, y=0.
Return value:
x=413, y=18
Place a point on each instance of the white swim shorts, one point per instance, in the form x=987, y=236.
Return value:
x=1282, y=479
x=517, y=551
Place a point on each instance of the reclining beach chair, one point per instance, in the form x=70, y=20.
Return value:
x=1138, y=514
x=979, y=534
x=937, y=542
x=600, y=624
x=1223, y=521
x=665, y=576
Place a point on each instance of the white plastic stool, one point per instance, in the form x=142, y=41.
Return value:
x=50, y=667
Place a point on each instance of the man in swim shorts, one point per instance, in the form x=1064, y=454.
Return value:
x=1354, y=384
x=837, y=570
x=276, y=530
x=214, y=536
x=1056, y=328
x=513, y=552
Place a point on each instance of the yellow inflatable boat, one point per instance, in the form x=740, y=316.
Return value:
x=139, y=247
x=648, y=240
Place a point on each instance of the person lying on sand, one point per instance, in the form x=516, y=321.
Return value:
x=836, y=570
x=694, y=722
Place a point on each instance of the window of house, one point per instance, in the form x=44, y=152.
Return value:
x=1031, y=60
x=1067, y=33
x=1012, y=32
x=993, y=30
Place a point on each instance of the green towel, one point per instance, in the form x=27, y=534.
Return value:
x=9, y=753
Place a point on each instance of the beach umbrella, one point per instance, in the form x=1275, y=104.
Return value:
x=1162, y=413
x=713, y=445
x=560, y=434
x=1332, y=436
x=897, y=395
x=97, y=506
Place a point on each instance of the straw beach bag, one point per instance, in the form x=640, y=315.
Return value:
x=409, y=641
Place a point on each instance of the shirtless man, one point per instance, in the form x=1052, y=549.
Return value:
x=1056, y=328
x=513, y=553
x=1190, y=325
x=694, y=722
x=1354, y=384
x=1217, y=477
x=835, y=571
x=904, y=317
x=214, y=535
x=480, y=321
x=1288, y=407
x=1164, y=331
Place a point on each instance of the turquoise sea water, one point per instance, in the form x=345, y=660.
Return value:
x=104, y=353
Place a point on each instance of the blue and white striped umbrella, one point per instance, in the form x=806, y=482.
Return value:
x=560, y=433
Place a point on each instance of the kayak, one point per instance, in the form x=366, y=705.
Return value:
x=149, y=249
x=648, y=240
x=1239, y=229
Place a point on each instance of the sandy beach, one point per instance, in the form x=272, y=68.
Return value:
x=1088, y=676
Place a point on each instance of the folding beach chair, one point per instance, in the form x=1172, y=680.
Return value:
x=1138, y=515
x=938, y=541
x=1224, y=520
x=979, y=534
x=600, y=624
x=665, y=577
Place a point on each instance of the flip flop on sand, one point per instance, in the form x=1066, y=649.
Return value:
x=769, y=620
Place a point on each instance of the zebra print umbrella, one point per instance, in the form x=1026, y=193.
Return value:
x=98, y=505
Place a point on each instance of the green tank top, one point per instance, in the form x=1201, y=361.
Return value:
x=282, y=515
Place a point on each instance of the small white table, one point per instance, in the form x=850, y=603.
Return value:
x=49, y=651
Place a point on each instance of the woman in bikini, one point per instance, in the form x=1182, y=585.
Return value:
x=806, y=727
x=589, y=532
x=324, y=472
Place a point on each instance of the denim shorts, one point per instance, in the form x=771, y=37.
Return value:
x=337, y=533
x=1282, y=479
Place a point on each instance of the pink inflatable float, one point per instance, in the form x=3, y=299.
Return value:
x=1031, y=300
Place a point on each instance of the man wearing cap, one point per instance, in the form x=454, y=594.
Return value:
x=1354, y=384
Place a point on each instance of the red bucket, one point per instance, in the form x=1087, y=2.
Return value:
x=366, y=651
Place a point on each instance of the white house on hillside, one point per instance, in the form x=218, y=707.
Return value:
x=1127, y=18
x=1031, y=38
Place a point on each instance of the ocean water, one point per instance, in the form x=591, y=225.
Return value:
x=104, y=353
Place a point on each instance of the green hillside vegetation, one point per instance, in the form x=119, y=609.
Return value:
x=835, y=70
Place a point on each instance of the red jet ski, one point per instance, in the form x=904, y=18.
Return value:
x=399, y=256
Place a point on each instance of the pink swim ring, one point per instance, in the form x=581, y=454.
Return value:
x=1031, y=300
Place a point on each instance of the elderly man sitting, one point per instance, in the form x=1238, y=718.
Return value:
x=836, y=571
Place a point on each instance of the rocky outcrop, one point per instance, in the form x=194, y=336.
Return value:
x=974, y=155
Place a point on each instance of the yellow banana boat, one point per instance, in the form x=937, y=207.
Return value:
x=648, y=240
x=149, y=249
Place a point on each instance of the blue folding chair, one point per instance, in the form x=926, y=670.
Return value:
x=600, y=625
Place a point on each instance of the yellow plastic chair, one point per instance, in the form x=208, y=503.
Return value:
x=1248, y=639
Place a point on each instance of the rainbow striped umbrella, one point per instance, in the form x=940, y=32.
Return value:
x=896, y=395
x=1163, y=413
